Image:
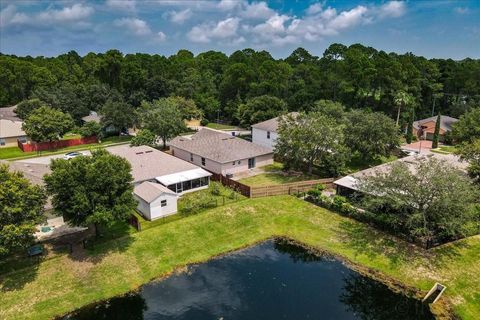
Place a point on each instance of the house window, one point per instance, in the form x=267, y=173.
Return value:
x=163, y=203
x=233, y=163
x=268, y=134
x=203, y=161
x=2, y=142
x=239, y=162
x=251, y=163
x=191, y=157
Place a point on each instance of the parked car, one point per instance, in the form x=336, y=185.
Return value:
x=72, y=155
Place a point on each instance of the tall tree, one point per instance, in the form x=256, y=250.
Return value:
x=47, y=124
x=402, y=100
x=259, y=109
x=436, y=133
x=118, y=114
x=429, y=199
x=371, y=134
x=309, y=140
x=467, y=128
x=409, y=133
x=93, y=189
x=21, y=208
x=471, y=152
x=162, y=118
x=24, y=108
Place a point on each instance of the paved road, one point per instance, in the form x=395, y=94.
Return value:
x=46, y=159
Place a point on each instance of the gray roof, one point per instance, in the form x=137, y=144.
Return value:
x=150, y=191
x=272, y=124
x=10, y=128
x=446, y=122
x=34, y=172
x=148, y=163
x=351, y=181
x=8, y=113
x=218, y=146
x=93, y=116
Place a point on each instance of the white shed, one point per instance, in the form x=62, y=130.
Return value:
x=154, y=200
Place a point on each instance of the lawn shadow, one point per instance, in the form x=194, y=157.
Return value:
x=17, y=279
x=368, y=241
x=448, y=252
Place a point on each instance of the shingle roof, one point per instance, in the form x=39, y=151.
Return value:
x=218, y=146
x=9, y=128
x=446, y=122
x=34, y=172
x=150, y=191
x=8, y=113
x=351, y=181
x=272, y=124
x=148, y=163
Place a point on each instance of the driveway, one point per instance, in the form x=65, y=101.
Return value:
x=422, y=147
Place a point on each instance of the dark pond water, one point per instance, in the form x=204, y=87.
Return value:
x=273, y=280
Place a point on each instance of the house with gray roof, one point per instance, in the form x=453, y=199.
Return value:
x=220, y=153
x=155, y=200
x=10, y=132
x=425, y=128
x=266, y=133
x=149, y=164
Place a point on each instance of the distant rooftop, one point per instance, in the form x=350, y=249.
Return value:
x=271, y=124
x=218, y=146
x=8, y=113
x=446, y=122
x=93, y=116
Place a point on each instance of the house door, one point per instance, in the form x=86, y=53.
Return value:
x=251, y=163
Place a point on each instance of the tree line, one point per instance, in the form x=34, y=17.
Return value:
x=241, y=87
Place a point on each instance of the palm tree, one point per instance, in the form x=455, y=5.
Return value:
x=403, y=99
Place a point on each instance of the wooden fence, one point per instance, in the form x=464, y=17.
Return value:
x=271, y=190
x=288, y=188
x=42, y=146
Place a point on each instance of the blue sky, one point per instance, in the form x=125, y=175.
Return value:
x=443, y=29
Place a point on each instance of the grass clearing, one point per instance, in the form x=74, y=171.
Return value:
x=268, y=179
x=219, y=126
x=358, y=163
x=14, y=153
x=115, y=267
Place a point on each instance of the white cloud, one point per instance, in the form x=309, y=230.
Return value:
x=161, y=36
x=224, y=29
x=180, y=17
x=228, y=5
x=73, y=15
x=134, y=25
x=314, y=8
x=392, y=9
x=257, y=10
x=461, y=10
x=125, y=5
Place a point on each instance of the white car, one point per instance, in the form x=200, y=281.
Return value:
x=72, y=155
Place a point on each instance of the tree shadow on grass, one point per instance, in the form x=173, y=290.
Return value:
x=373, y=243
x=16, y=280
x=447, y=253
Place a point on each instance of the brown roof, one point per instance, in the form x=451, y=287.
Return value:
x=218, y=146
x=150, y=191
x=148, y=163
x=8, y=113
x=271, y=124
x=10, y=128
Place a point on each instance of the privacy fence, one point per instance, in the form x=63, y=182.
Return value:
x=271, y=190
x=42, y=146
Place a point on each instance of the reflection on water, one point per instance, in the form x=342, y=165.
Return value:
x=273, y=280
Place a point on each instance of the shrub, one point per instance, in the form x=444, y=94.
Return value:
x=204, y=122
x=215, y=188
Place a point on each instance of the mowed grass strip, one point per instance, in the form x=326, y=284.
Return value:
x=61, y=285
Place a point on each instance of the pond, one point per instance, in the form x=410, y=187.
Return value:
x=272, y=280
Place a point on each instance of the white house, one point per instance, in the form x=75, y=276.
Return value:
x=266, y=133
x=155, y=200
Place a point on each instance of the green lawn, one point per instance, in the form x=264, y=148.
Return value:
x=219, y=126
x=268, y=179
x=445, y=149
x=68, y=282
x=358, y=163
x=14, y=153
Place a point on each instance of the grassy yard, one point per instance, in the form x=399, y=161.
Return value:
x=358, y=163
x=445, y=149
x=219, y=126
x=70, y=281
x=268, y=179
x=14, y=153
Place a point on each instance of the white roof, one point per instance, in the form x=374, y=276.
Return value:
x=188, y=175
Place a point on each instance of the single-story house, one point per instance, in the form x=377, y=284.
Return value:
x=155, y=200
x=220, y=152
x=11, y=128
x=95, y=117
x=425, y=128
x=348, y=185
x=149, y=164
x=266, y=133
